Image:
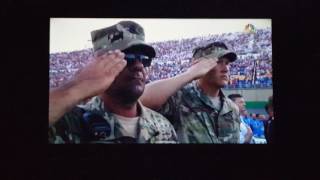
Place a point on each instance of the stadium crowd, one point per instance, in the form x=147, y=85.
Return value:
x=253, y=69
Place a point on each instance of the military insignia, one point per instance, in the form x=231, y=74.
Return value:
x=116, y=36
x=96, y=126
x=113, y=34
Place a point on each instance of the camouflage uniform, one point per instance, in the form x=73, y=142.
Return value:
x=91, y=123
x=192, y=114
x=152, y=126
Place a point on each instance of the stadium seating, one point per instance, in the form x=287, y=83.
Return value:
x=253, y=69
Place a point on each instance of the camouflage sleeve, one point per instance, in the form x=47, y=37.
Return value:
x=236, y=124
x=67, y=129
x=171, y=106
x=174, y=137
x=168, y=135
x=238, y=120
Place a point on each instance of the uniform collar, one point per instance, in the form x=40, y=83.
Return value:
x=96, y=105
x=145, y=131
x=204, y=98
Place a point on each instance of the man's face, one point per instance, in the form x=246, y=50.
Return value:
x=219, y=75
x=129, y=84
x=241, y=104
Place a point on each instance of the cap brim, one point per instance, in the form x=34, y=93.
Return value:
x=143, y=47
x=232, y=56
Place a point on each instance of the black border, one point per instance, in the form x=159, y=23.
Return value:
x=27, y=79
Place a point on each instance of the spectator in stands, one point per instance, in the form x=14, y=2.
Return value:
x=245, y=130
x=198, y=109
x=116, y=80
x=179, y=52
x=256, y=123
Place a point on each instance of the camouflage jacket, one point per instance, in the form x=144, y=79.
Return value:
x=73, y=127
x=197, y=121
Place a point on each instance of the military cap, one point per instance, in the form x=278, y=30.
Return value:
x=123, y=35
x=214, y=50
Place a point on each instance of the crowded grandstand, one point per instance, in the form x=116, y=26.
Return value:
x=253, y=69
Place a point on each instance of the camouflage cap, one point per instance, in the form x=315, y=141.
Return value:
x=123, y=35
x=213, y=51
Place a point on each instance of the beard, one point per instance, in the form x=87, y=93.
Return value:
x=131, y=94
x=128, y=93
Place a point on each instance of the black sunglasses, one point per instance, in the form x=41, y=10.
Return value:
x=145, y=60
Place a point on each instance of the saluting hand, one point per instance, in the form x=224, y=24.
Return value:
x=202, y=66
x=98, y=75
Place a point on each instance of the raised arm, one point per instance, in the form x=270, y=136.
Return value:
x=157, y=93
x=92, y=80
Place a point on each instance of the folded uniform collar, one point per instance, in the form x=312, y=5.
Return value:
x=145, y=130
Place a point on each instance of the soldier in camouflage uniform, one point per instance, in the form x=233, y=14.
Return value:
x=198, y=109
x=115, y=80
